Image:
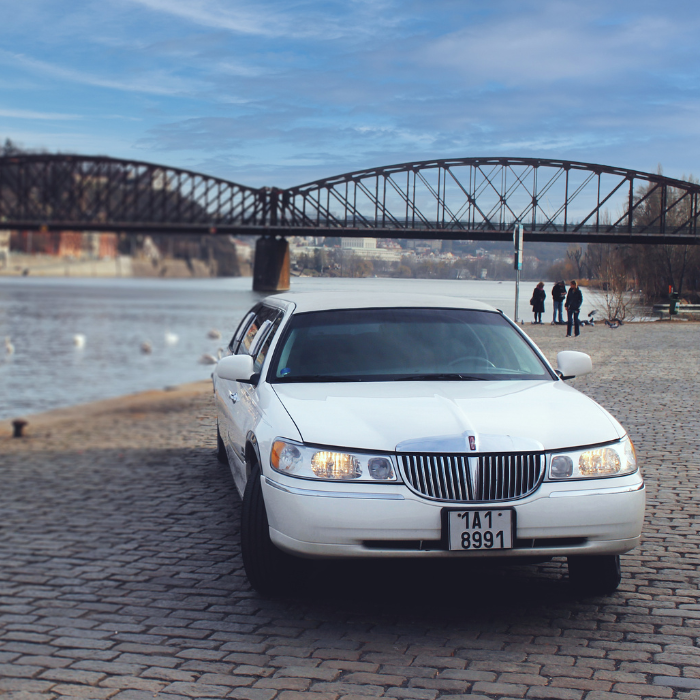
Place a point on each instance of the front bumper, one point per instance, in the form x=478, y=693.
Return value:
x=320, y=520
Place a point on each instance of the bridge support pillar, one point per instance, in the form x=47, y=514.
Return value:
x=271, y=268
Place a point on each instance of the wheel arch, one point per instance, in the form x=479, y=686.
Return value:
x=252, y=454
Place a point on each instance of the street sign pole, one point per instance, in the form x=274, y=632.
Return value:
x=517, y=262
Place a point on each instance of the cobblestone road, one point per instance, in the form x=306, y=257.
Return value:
x=120, y=574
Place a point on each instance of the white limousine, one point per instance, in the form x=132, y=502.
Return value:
x=411, y=425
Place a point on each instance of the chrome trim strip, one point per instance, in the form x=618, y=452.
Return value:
x=597, y=492
x=333, y=494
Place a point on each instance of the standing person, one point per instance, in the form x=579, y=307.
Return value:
x=574, y=299
x=558, y=295
x=537, y=301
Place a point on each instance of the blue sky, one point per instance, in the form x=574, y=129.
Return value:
x=280, y=93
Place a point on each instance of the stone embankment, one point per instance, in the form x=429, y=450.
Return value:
x=21, y=265
x=121, y=575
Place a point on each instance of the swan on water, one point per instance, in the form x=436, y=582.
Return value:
x=214, y=334
x=207, y=359
x=171, y=338
x=79, y=340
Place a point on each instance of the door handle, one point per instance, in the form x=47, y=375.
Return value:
x=233, y=397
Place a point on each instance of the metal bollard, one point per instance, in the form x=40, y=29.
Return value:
x=18, y=426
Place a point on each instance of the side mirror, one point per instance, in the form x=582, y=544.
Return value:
x=236, y=368
x=572, y=364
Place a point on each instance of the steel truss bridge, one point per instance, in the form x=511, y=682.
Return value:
x=453, y=199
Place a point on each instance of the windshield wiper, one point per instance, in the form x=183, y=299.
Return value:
x=324, y=378
x=449, y=377
x=287, y=379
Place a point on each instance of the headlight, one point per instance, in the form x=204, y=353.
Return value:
x=611, y=460
x=329, y=464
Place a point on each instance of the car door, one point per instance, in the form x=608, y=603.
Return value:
x=226, y=392
x=242, y=398
x=248, y=409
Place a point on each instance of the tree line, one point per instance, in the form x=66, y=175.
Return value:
x=649, y=270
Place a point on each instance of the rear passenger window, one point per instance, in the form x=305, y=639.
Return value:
x=266, y=342
x=242, y=327
x=248, y=343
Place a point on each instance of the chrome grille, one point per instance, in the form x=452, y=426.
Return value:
x=442, y=476
x=461, y=477
x=507, y=476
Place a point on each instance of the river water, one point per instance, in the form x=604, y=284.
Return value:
x=42, y=317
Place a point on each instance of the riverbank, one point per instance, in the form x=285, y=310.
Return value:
x=72, y=421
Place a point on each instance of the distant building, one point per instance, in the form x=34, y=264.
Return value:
x=420, y=244
x=387, y=254
x=244, y=249
x=63, y=244
x=358, y=243
x=100, y=245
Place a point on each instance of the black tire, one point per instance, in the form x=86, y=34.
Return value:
x=269, y=570
x=220, y=447
x=596, y=575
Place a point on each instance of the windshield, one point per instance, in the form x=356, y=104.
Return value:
x=403, y=344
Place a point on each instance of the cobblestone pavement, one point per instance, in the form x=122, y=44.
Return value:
x=120, y=574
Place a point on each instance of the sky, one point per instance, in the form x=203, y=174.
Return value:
x=282, y=93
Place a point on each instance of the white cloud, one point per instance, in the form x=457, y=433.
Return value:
x=29, y=114
x=154, y=82
x=118, y=146
x=322, y=86
x=353, y=20
x=238, y=17
x=241, y=70
x=545, y=43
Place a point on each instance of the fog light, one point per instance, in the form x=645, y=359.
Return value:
x=380, y=468
x=561, y=467
x=335, y=465
x=603, y=462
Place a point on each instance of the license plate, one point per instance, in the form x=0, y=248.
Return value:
x=476, y=530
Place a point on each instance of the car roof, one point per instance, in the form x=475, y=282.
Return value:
x=375, y=299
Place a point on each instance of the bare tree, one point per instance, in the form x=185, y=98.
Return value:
x=613, y=276
x=661, y=266
x=577, y=257
x=10, y=148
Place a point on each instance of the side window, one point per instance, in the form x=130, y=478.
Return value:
x=248, y=343
x=266, y=342
x=242, y=327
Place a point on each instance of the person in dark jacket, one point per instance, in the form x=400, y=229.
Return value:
x=537, y=301
x=574, y=299
x=558, y=296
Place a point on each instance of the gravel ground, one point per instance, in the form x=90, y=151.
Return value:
x=120, y=573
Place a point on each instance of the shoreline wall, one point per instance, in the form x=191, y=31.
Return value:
x=20, y=264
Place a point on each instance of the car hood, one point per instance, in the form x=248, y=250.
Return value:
x=443, y=416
